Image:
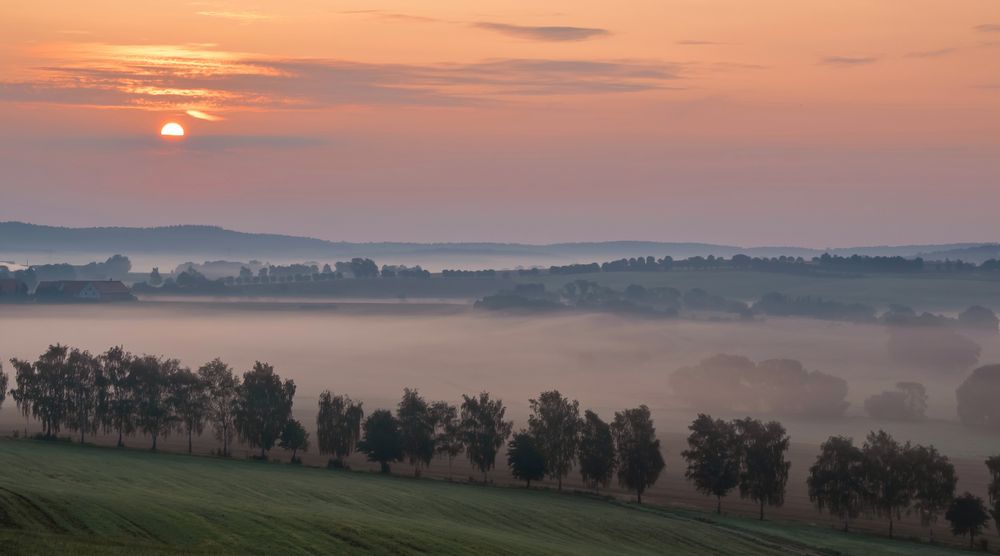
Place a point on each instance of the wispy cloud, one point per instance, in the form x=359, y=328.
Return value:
x=848, y=61
x=988, y=28
x=240, y=16
x=931, y=53
x=695, y=42
x=555, y=33
x=204, y=116
x=205, y=81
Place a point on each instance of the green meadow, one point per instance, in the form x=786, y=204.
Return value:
x=67, y=498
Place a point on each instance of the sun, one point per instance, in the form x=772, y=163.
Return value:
x=172, y=129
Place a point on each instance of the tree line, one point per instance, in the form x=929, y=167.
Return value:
x=120, y=393
x=888, y=479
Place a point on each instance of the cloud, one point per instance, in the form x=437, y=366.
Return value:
x=205, y=81
x=931, y=53
x=847, y=61
x=240, y=16
x=691, y=42
x=556, y=33
x=988, y=28
x=203, y=116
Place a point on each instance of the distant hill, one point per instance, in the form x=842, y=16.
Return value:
x=212, y=242
x=969, y=254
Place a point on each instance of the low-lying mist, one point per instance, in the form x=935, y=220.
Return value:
x=607, y=362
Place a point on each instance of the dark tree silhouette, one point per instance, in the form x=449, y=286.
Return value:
x=934, y=483
x=836, y=481
x=416, y=425
x=525, y=458
x=484, y=430
x=993, y=464
x=638, y=450
x=597, y=451
x=763, y=467
x=713, y=457
x=3, y=385
x=383, y=439
x=190, y=400
x=263, y=407
x=83, y=376
x=888, y=476
x=155, y=412
x=977, y=397
x=117, y=404
x=295, y=438
x=448, y=436
x=222, y=389
x=42, y=388
x=338, y=426
x=555, y=424
x=967, y=515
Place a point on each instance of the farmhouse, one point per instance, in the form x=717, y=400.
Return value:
x=83, y=290
x=11, y=287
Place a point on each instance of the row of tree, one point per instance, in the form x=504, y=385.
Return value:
x=117, y=392
x=888, y=479
x=555, y=440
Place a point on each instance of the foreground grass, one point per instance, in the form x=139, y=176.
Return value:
x=62, y=498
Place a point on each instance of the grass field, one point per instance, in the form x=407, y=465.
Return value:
x=58, y=497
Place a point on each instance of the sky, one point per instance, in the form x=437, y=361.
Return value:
x=776, y=122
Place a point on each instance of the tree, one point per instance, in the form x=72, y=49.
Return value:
x=977, y=397
x=555, y=424
x=263, y=406
x=967, y=515
x=979, y=317
x=42, y=388
x=222, y=389
x=836, y=480
x=763, y=467
x=597, y=451
x=484, y=430
x=448, y=438
x=525, y=458
x=338, y=426
x=993, y=464
x=888, y=476
x=416, y=425
x=190, y=400
x=117, y=405
x=638, y=450
x=294, y=437
x=83, y=384
x=907, y=403
x=154, y=277
x=155, y=413
x=713, y=457
x=3, y=385
x=383, y=439
x=934, y=483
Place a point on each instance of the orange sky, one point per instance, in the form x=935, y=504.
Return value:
x=772, y=122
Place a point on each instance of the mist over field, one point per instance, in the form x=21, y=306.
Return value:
x=371, y=351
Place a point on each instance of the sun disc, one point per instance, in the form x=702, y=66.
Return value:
x=172, y=129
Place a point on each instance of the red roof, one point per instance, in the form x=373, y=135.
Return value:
x=108, y=289
x=9, y=286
